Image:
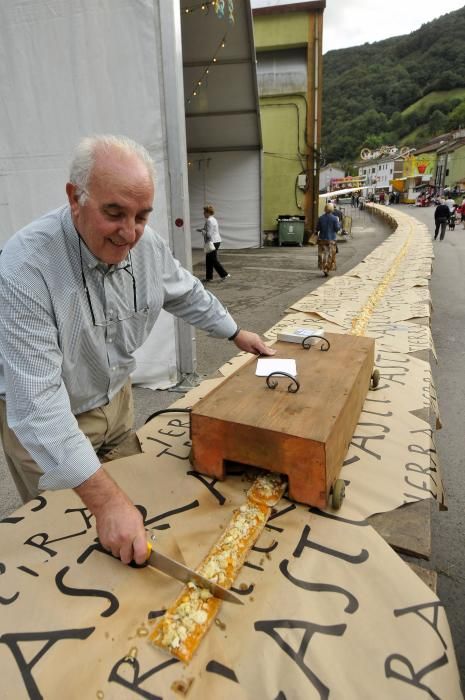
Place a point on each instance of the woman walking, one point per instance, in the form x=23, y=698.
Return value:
x=212, y=241
x=328, y=226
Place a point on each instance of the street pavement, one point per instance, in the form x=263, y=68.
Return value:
x=265, y=281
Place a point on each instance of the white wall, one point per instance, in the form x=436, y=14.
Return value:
x=327, y=173
x=230, y=181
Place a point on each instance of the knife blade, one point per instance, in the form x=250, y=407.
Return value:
x=182, y=573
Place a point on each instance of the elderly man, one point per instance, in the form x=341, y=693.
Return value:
x=80, y=291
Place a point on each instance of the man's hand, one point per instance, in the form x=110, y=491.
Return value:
x=120, y=526
x=251, y=342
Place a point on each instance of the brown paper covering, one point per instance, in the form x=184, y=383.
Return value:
x=330, y=609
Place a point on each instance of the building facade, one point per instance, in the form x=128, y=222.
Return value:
x=328, y=174
x=433, y=167
x=380, y=169
x=288, y=41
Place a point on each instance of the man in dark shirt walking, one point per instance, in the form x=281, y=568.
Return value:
x=441, y=217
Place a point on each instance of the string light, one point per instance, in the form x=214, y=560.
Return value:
x=220, y=8
x=199, y=6
x=200, y=81
x=199, y=162
x=218, y=5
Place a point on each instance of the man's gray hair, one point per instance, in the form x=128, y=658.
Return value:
x=85, y=153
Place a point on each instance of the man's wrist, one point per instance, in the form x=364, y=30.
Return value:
x=98, y=490
x=235, y=334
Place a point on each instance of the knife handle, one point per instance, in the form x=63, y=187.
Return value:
x=133, y=564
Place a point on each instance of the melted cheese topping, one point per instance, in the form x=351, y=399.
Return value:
x=182, y=627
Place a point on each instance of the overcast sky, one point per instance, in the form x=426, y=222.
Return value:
x=353, y=22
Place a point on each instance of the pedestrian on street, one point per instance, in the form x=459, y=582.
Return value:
x=450, y=203
x=327, y=228
x=340, y=215
x=460, y=211
x=337, y=212
x=212, y=241
x=80, y=291
x=441, y=218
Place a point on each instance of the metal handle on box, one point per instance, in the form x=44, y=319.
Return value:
x=307, y=345
x=272, y=384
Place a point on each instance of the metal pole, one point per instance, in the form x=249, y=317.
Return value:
x=177, y=186
x=314, y=92
x=444, y=170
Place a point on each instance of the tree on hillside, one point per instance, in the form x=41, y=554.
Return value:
x=447, y=81
x=437, y=122
x=456, y=118
x=368, y=87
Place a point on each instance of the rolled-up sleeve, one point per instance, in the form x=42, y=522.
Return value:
x=37, y=402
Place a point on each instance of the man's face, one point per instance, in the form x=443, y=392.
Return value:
x=118, y=205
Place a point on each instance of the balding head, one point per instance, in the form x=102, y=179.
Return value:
x=94, y=151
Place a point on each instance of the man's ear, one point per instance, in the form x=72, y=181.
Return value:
x=73, y=197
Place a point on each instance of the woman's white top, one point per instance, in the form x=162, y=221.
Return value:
x=212, y=231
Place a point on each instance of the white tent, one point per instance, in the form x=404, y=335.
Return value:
x=116, y=66
x=72, y=69
x=222, y=121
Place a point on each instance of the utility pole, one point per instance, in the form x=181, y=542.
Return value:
x=444, y=169
x=314, y=94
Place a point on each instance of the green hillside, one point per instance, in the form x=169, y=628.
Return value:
x=387, y=92
x=435, y=98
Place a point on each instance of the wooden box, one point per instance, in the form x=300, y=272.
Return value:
x=304, y=434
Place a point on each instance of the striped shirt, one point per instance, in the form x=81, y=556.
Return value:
x=54, y=363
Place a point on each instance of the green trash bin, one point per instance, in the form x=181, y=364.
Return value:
x=291, y=231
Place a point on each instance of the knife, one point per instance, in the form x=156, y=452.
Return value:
x=182, y=573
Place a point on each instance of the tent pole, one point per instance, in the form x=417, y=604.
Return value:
x=177, y=184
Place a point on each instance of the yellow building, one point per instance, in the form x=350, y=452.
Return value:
x=288, y=41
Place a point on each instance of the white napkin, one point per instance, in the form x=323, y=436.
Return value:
x=266, y=365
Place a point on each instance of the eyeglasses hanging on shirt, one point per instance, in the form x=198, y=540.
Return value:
x=121, y=316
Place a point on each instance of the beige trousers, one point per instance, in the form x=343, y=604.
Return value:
x=109, y=428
